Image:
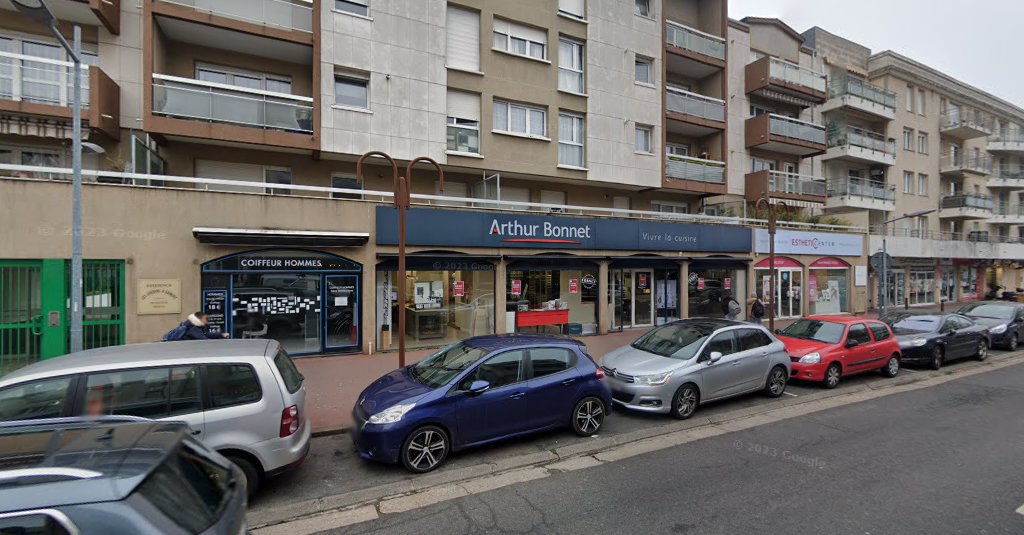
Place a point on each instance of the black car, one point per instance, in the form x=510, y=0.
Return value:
x=115, y=475
x=933, y=339
x=1004, y=319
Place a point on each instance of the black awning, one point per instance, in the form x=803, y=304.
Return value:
x=437, y=262
x=720, y=263
x=554, y=262
x=644, y=261
x=286, y=238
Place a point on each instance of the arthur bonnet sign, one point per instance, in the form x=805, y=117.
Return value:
x=453, y=228
x=810, y=243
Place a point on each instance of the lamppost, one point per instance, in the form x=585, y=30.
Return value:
x=401, y=202
x=884, y=297
x=765, y=203
x=37, y=11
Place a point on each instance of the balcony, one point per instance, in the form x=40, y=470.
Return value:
x=853, y=193
x=707, y=175
x=781, y=80
x=958, y=165
x=705, y=114
x=858, y=96
x=1009, y=142
x=1007, y=176
x=193, y=108
x=785, y=135
x=963, y=206
x=963, y=125
x=1007, y=214
x=780, y=185
x=274, y=18
x=694, y=54
x=860, y=145
x=85, y=12
x=44, y=87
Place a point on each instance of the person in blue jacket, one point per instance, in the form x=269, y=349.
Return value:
x=195, y=327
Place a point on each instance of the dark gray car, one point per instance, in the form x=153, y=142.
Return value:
x=115, y=475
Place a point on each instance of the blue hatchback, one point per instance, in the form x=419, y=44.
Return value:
x=477, y=391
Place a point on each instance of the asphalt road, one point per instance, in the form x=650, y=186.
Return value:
x=938, y=460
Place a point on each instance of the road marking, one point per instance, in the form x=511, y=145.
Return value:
x=1020, y=510
x=791, y=394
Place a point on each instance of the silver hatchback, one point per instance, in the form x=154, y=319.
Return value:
x=675, y=367
x=242, y=398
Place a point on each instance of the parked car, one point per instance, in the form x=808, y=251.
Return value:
x=676, y=367
x=826, y=348
x=242, y=398
x=1004, y=320
x=933, y=339
x=115, y=475
x=476, y=391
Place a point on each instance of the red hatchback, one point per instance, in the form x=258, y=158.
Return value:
x=825, y=348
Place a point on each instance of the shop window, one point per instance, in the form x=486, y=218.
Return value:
x=552, y=300
x=828, y=286
x=968, y=283
x=707, y=286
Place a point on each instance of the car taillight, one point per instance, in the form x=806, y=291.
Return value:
x=289, y=421
x=599, y=374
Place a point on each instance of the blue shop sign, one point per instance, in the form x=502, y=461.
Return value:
x=456, y=228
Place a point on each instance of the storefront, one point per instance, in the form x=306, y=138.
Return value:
x=309, y=301
x=556, y=294
x=788, y=290
x=828, y=286
x=710, y=279
x=643, y=291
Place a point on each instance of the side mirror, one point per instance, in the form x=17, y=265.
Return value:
x=778, y=331
x=852, y=343
x=714, y=357
x=479, y=387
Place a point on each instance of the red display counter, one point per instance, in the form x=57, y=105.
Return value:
x=540, y=318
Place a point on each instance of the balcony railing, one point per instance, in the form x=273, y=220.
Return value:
x=696, y=169
x=960, y=118
x=40, y=80
x=296, y=16
x=781, y=125
x=1009, y=171
x=1008, y=210
x=794, y=184
x=1007, y=136
x=958, y=162
x=187, y=98
x=795, y=74
x=694, y=40
x=977, y=202
x=858, y=137
x=860, y=187
x=687, y=103
x=856, y=87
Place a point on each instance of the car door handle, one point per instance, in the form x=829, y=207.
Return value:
x=568, y=382
x=518, y=395
x=197, y=431
x=737, y=363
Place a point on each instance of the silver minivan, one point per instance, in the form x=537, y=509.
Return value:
x=242, y=398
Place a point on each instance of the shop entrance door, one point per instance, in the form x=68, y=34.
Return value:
x=897, y=287
x=643, y=302
x=790, y=293
x=341, y=328
x=632, y=296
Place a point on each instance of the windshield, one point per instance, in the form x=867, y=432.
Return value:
x=989, y=310
x=676, y=340
x=917, y=324
x=442, y=367
x=819, y=331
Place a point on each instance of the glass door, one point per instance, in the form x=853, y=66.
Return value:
x=643, y=302
x=897, y=287
x=666, y=296
x=790, y=293
x=341, y=316
x=615, y=298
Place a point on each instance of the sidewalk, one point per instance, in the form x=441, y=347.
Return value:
x=334, y=383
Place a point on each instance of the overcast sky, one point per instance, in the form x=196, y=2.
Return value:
x=978, y=41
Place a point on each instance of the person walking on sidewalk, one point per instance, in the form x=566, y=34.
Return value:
x=196, y=327
x=756, y=308
x=730, y=307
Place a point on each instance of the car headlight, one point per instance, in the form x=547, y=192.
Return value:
x=916, y=342
x=392, y=414
x=811, y=358
x=998, y=329
x=653, y=380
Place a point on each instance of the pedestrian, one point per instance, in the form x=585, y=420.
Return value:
x=730, y=307
x=756, y=308
x=196, y=327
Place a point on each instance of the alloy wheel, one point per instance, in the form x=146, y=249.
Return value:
x=937, y=358
x=777, y=382
x=426, y=449
x=686, y=402
x=982, y=350
x=1014, y=342
x=589, y=416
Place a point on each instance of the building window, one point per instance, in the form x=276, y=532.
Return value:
x=761, y=164
x=351, y=92
x=908, y=182
x=668, y=207
x=570, y=140
x=520, y=40
x=463, y=39
x=643, y=70
x=277, y=175
x=922, y=184
x=345, y=181
x=573, y=8
x=520, y=119
x=463, y=122
x=356, y=7
x=920, y=102
x=241, y=78
x=922, y=142
x=642, y=8
x=908, y=139
x=910, y=98
x=644, y=136
x=570, y=65
x=677, y=149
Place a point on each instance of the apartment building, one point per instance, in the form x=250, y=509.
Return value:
x=581, y=140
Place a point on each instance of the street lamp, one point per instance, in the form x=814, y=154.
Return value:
x=37, y=11
x=884, y=297
x=772, y=208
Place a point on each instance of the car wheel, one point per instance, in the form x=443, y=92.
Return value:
x=776, y=384
x=892, y=368
x=425, y=449
x=1014, y=342
x=832, y=375
x=937, y=358
x=685, y=401
x=588, y=416
x=252, y=474
x=982, y=353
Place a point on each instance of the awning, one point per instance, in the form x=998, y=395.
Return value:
x=719, y=263
x=437, y=262
x=545, y=262
x=644, y=261
x=273, y=237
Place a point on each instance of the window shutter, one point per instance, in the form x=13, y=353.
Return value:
x=463, y=105
x=463, y=39
x=523, y=32
x=573, y=7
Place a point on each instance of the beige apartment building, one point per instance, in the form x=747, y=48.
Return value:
x=601, y=160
